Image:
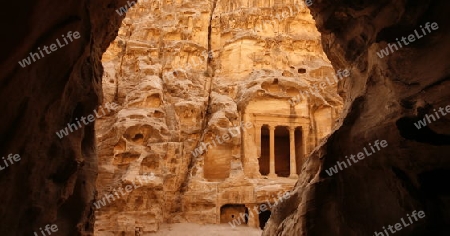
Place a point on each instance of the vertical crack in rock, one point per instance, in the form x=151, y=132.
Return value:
x=210, y=71
x=210, y=61
x=210, y=64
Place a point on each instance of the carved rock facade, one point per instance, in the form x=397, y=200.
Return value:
x=205, y=92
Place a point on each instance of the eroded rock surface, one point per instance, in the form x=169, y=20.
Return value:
x=198, y=82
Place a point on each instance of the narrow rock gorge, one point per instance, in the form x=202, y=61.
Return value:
x=203, y=112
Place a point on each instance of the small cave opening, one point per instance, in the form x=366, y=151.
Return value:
x=138, y=138
x=230, y=213
x=263, y=218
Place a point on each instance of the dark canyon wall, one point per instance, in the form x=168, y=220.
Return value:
x=53, y=182
x=384, y=98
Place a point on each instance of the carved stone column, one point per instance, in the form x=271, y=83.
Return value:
x=304, y=139
x=253, y=220
x=293, y=163
x=272, y=152
x=257, y=128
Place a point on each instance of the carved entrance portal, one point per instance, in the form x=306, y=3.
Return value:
x=281, y=151
x=281, y=146
x=263, y=218
x=230, y=212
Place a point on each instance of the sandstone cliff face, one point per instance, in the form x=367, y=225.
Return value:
x=196, y=81
x=54, y=182
x=383, y=99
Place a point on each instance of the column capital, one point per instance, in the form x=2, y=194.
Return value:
x=272, y=127
x=292, y=128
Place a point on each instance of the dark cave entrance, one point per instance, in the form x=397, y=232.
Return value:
x=231, y=212
x=263, y=218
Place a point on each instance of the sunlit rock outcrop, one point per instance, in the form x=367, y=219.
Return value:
x=203, y=87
